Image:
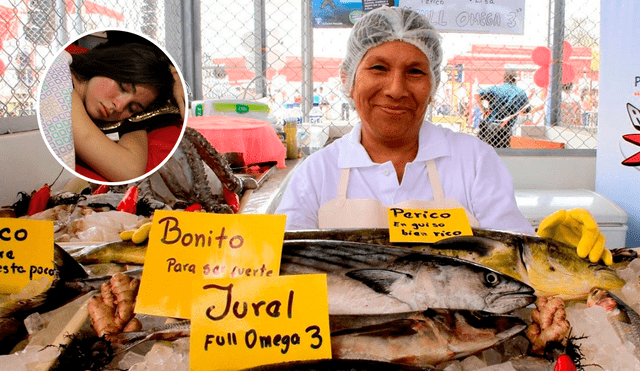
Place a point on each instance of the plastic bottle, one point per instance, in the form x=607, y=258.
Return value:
x=315, y=130
x=292, y=120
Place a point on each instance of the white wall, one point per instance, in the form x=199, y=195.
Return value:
x=575, y=169
x=26, y=165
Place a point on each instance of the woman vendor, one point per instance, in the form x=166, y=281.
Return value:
x=393, y=157
x=110, y=82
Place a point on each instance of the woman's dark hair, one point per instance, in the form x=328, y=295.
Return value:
x=131, y=63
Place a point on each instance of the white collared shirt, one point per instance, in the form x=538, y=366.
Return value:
x=470, y=171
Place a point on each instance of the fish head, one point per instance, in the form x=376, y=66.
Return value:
x=600, y=297
x=471, y=286
x=556, y=269
x=499, y=254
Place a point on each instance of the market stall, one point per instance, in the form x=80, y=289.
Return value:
x=191, y=267
x=476, y=337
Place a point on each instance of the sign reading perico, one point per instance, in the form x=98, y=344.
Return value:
x=413, y=225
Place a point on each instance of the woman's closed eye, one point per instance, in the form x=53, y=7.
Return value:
x=135, y=107
x=122, y=87
x=417, y=71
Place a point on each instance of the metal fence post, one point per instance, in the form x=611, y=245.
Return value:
x=260, y=47
x=556, y=63
x=307, y=59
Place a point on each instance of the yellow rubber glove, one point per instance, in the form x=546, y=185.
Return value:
x=577, y=228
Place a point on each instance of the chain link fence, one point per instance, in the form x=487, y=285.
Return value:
x=32, y=32
x=257, y=50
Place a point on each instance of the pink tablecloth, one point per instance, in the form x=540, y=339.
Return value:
x=256, y=140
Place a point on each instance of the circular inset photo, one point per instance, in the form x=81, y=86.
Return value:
x=111, y=107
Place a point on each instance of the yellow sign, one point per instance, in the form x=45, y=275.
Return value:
x=413, y=225
x=26, y=252
x=185, y=246
x=247, y=322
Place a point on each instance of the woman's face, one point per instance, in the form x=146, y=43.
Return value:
x=391, y=91
x=108, y=100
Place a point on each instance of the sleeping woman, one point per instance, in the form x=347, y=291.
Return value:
x=110, y=82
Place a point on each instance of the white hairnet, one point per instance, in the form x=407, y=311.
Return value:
x=389, y=24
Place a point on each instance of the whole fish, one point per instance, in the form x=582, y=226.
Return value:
x=624, y=320
x=415, y=339
x=419, y=339
x=550, y=267
x=374, y=279
x=123, y=252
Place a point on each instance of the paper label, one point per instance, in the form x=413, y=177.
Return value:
x=415, y=225
x=247, y=322
x=184, y=246
x=26, y=252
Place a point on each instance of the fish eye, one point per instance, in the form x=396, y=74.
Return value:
x=491, y=279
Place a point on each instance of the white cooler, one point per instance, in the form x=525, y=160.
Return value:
x=536, y=204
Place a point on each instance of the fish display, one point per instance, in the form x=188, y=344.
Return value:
x=550, y=267
x=624, y=320
x=419, y=339
x=375, y=279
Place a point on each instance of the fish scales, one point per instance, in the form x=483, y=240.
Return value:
x=366, y=278
x=326, y=256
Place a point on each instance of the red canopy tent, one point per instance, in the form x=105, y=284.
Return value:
x=8, y=23
x=93, y=8
x=486, y=63
x=323, y=68
x=240, y=71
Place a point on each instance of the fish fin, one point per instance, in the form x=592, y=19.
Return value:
x=395, y=328
x=380, y=280
x=410, y=361
x=466, y=349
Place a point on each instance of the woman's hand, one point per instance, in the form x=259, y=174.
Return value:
x=178, y=91
x=577, y=228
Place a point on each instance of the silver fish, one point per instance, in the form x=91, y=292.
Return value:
x=624, y=320
x=415, y=339
x=419, y=339
x=375, y=279
x=550, y=267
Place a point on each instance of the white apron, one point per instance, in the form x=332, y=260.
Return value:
x=343, y=213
